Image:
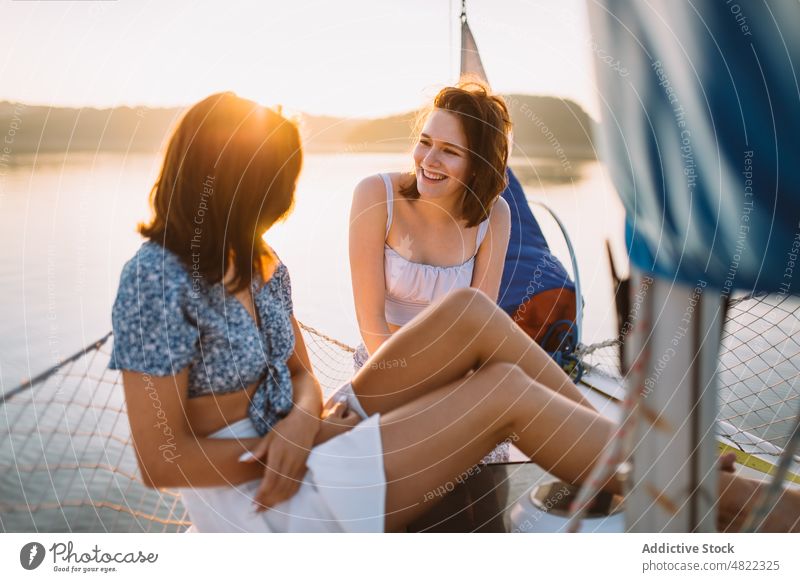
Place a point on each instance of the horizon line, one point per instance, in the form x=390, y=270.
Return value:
x=292, y=110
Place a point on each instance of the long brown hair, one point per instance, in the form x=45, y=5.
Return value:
x=487, y=124
x=229, y=174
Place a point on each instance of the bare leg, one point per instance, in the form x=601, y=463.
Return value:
x=434, y=439
x=738, y=496
x=459, y=334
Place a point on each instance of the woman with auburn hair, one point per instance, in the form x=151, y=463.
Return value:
x=220, y=395
x=416, y=236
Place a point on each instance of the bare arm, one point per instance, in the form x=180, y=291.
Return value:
x=367, y=238
x=491, y=256
x=169, y=454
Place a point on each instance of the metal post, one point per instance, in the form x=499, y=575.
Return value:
x=674, y=485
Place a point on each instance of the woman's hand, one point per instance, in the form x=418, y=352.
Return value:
x=336, y=420
x=286, y=447
x=284, y=450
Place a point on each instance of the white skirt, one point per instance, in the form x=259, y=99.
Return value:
x=344, y=490
x=345, y=394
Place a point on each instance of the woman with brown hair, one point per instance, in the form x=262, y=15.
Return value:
x=418, y=235
x=447, y=227
x=220, y=395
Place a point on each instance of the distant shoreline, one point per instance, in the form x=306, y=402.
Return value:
x=544, y=127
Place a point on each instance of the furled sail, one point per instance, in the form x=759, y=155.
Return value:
x=471, y=65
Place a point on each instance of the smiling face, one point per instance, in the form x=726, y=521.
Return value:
x=441, y=156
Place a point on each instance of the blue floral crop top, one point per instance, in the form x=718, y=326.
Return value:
x=164, y=320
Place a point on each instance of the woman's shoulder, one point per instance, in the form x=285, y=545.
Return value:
x=498, y=222
x=501, y=212
x=369, y=202
x=372, y=192
x=154, y=266
x=152, y=331
x=371, y=189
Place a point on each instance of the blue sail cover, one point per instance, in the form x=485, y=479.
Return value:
x=530, y=268
x=701, y=133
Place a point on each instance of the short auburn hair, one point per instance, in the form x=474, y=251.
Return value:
x=229, y=174
x=487, y=124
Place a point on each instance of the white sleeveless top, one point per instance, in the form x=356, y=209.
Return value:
x=410, y=286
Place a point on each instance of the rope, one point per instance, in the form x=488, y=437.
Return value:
x=327, y=338
x=566, y=354
x=50, y=371
x=613, y=459
x=584, y=350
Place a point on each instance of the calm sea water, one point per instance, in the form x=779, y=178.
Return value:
x=68, y=225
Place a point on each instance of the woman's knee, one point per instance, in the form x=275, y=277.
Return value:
x=468, y=306
x=499, y=371
x=506, y=382
x=496, y=390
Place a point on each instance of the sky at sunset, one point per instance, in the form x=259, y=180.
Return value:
x=349, y=58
